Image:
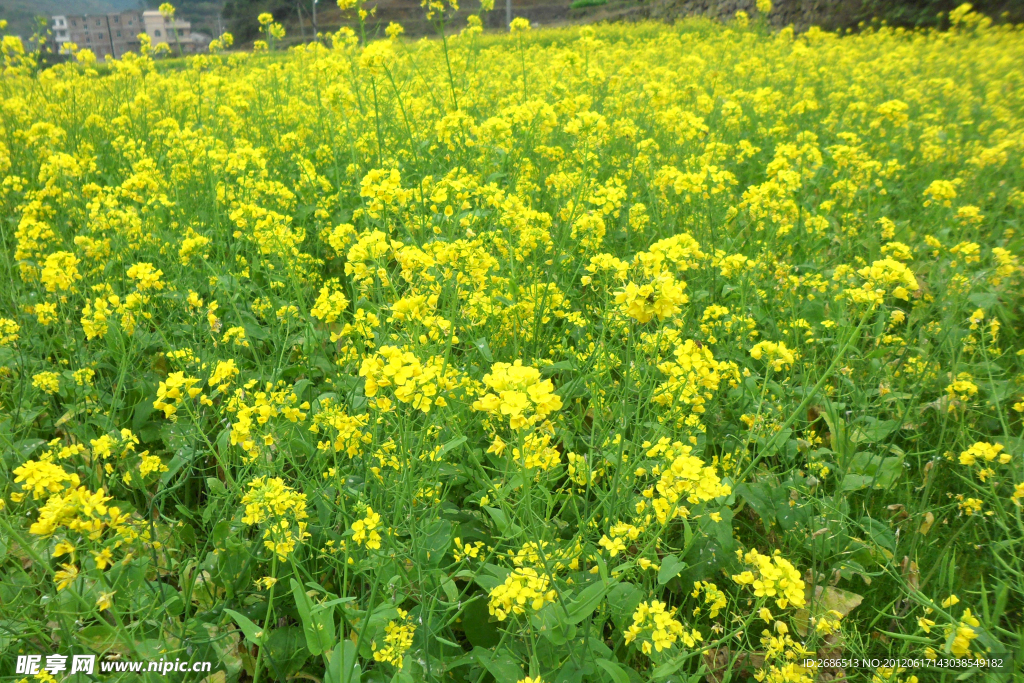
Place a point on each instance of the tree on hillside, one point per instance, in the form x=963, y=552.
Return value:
x=240, y=15
x=205, y=15
x=933, y=12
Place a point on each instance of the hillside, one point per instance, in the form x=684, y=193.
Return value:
x=204, y=14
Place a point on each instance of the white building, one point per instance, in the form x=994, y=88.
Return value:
x=175, y=32
x=104, y=34
x=111, y=35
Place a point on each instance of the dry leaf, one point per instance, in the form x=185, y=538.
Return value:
x=926, y=525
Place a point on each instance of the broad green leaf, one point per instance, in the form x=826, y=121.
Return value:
x=253, y=633
x=285, y=651
x=670, y=568
x=501, y=665
x=872, y=431
x=668, y=668
x=757, y=497
x=484, y=349
x=868, y=469
x=551, y=623
x=480, y=630
x=505, y=525
x=434, y=542
x=614, y=670
x=453, y=444
x=343, y=666
x=587, y=601
x=622, y=602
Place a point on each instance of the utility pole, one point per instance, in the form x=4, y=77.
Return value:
x=110, y=35
x=316, y=37
x=508, y=13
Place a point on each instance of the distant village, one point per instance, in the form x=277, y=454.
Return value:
x=112, y=35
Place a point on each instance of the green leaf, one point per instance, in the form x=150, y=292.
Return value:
x=480, y=630
x=622, y=602
x=756, y=496
x=317, y=621
x=505, y=526
x=501, y=665
x=484, y=349
x=720, y=530
x=304, y=606
x=550, y=623
x=285, y=651
x=452, y=445
x=670, y=568
x=335, y=601
x=253, y=633
x=868, y=469
x=343, y=666
x=100, y=638
x=488, y=582
x=872, y=431
x=435, y=541
x=587, y=601
x=614, y=670
x=668, y=668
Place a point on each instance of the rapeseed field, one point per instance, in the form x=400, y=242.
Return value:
x=621, y=353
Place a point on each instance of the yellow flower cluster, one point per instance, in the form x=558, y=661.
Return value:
x=9, y=330
x=693, y=375
x=686, y=477
x=984, y=452
x=772, y=576
x=398, y=635
x=43, y=478
x=961, y=389
x=420, y=384
x=523, y=589
x=329, y=304
x=466, y=551
x=775, y=355
x=47, y=382
x=60, y=271
x=714, y=598
x=658, y=630
x=883, y=277
x=365, y=530
x=537, y=452
x=660, y=298
x=254, y=411
x=173, y=390
x=146, y=276
x=615, y=540
x=963, y=633
x=78, y=510
x=280, y=510
x=223, y=375
x=957, y=636
x=517, y=392
x=348, y=431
